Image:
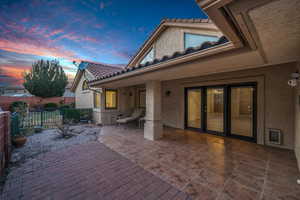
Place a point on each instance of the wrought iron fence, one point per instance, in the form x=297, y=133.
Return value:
x=45, y=119
x=15, y=124
x=48, y=119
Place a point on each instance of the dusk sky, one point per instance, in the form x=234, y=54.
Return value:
x=94, y=30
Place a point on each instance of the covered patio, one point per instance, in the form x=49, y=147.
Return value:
x=207, y=166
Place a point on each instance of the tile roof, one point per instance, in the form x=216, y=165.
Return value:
x=181, y=20
x=203, y=46
x=99, y=70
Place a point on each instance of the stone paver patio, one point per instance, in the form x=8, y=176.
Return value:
x=86, y=171
x=210, y=167
x=182, y=165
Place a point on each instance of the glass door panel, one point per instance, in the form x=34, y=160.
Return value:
x=241, y=121
x=194, y=108
x=215, y=109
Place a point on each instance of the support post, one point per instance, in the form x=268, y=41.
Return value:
x=153, y=129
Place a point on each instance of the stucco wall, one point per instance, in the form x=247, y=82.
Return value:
x=172, y=40
x=83, y=98
x=275, y=99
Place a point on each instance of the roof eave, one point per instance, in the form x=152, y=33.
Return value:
x=215, y=10
x=186, y=58
x=76, y=80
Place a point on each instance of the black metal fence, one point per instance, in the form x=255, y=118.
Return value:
x=44, y=119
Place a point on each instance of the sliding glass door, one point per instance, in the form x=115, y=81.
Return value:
x=194, y=108
x=215, y=109
x=228, y=110
x=242, y=105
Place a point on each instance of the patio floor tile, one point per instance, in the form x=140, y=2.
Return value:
x=86, y=171
x=210, y=167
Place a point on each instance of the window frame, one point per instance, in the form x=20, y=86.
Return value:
x=146, y=54
x=111, y=90
x=95, y=95
x=140, y=92
x=199, y=34
x=84, y=83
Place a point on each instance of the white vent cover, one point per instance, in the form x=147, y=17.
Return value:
x=275, y=136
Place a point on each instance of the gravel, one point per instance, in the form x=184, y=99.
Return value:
x=50, y=140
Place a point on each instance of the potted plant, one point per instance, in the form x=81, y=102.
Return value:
x=19, y=140
x=19, y=110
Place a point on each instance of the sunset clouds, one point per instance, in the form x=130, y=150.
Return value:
x=107, y=31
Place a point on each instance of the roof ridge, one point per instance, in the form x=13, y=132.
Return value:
x=102, y=64
x=187, y=20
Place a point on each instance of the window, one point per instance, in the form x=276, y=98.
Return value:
x=85, y=85
x=142, y=98
x=149, y=56
x=195, y=40
x=97, y=100
x=111, y=99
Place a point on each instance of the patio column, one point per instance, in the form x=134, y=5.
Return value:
x=153, y=129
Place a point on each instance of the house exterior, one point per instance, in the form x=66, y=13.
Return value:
x=233, y=75
x=86, y=97
x=17, y=90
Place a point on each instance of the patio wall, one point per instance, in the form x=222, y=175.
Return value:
x=5, y=101
x=5, y=145
x=275, y=99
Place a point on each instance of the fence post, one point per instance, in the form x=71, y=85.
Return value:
x=42, y=118
x=7, y=144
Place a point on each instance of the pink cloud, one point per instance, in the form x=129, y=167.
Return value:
x=25, y=46
x=102, y=5
x=54, y=32
x=98, y=26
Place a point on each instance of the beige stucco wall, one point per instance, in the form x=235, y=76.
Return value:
x=83, y=98
x=172, y=40
x=275, y=99
x=297, y=122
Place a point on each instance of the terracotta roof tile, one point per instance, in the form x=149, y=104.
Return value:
x=203, y=46
x=99, y=70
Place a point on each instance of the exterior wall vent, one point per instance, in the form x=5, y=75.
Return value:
x=275, y=136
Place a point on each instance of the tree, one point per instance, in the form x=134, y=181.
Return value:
x=46, y=79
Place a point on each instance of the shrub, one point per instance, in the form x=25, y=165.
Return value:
x=71, y=114
x=77, y=115
x=64, y=106
x=50, y=106
x=18, y=106
x=86, y=114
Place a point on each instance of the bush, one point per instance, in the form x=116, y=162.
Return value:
x=18, y=106
x=50, y=106
x=77, y=115
x=71, y=114
x=86, y=114
x=64, y=106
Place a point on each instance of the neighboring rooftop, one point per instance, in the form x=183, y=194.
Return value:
x=99, y=70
